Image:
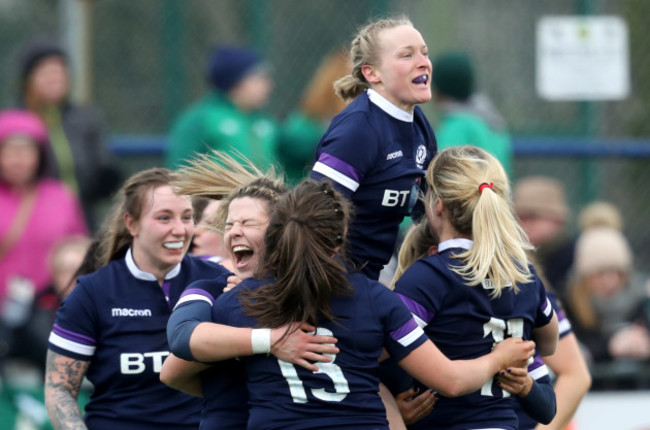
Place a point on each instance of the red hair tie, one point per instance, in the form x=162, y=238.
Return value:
x=485, y=185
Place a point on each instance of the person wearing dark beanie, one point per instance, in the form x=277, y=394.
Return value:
x=228, y=65
x=229, y=116
x=34, y=53
x=467, y=117
x=76, y=135
x=453, y=76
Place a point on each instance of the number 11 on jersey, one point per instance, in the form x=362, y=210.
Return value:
x=498, y=328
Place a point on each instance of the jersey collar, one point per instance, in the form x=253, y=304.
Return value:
x=455, y=243
x=146, y=276
x=388, y=107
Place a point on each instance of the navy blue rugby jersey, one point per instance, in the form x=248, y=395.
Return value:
x=116, y=318
x=225, y=399
x=343, y=394
x=377, y=155
x=538, y=370
x=464, y=322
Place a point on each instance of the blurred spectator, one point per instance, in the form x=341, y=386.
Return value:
x=208, y=241
x=35, y=213
x=64, y=261
x=76, y=134
x=229, y=117
x=541, y=206
x=304, y=126
x=467, y=117
x=605, y=295
x=600, y=214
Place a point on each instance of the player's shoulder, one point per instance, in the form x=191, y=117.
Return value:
x=432, y=265
x=203, y=268
x=432, y=270
x=116, y=270
x=359, y=280
x=245, y=286
x=366, y=287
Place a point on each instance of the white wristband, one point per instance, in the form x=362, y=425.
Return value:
x=261, y=340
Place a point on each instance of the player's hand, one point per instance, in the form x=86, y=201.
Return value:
x=515, y=380
x=300, y=346
x=233, y=281
x=414, y=406
x=631, y=342
x=515, y=352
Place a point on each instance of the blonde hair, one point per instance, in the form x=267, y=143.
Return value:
x=487, y=216
x=416, y=245
x=220, y=176
x=365, y=49
x=319, y=101
x=579, y=300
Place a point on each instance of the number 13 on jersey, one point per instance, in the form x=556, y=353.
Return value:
x=333, y=371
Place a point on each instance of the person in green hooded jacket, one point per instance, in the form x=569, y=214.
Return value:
x=467, y=117
x=230, y=116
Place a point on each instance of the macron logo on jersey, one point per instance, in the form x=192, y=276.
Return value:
x=394, y=155
x=127, y=312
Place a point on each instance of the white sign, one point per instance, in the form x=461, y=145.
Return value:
x=582, y=58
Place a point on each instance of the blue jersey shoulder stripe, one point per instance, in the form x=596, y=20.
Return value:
x=421, y=314
x=76, y=337
x=564, y=326
x=547, y=308
x=70, y=345
x=336, y=176
x=194, y=294
x=539, y=373
x=407, y=333
x=339, y=171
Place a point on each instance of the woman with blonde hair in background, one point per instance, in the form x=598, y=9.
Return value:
x=604, y=299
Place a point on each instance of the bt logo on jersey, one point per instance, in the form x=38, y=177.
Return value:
x=394, y=198
x=132, y=363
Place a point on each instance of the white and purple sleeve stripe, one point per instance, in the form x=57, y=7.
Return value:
x=339, y=171
x=564, y=327
x=194, y=294
x=71, y=341
x=407, y=333
x=547, y=308
x=564, y=324
x=421, y=314
x=537, y=368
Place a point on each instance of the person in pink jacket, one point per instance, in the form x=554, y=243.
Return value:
x=36, y=212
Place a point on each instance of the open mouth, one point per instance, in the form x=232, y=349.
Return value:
x=421, y=80
x=173, y=245
x=243, y=255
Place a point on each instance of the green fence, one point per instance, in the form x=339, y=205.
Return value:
x=143, y=61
